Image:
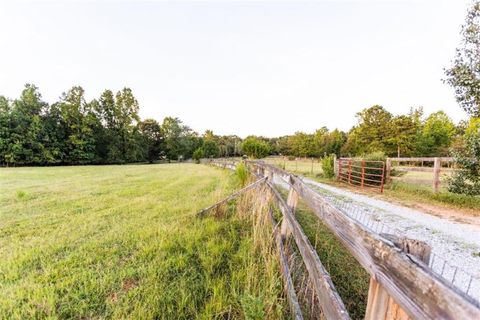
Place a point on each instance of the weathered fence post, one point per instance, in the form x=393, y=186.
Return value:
x=436, y=174
x=335, y=166
x=382, y=182
x=389, y=169
x=350, y=171
x=380, y=306
x=363, y=171
x=270, y=175
x=292, y=201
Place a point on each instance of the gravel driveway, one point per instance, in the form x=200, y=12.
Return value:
x=455, y=246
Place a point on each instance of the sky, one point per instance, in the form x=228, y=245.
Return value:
x=265, y=68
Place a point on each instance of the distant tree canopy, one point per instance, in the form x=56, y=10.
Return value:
x=101, y=131
x=109, y=130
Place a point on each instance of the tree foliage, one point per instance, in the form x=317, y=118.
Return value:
x=467, y=180
x=152, y=137
x=104, y=130
x=436, y=135
x=255, y=148
x=464, y=75
x=109, y=130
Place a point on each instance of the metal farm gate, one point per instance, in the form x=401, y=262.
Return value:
x=362, y=173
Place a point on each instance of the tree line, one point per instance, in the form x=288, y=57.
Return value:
x=109, y=130
x=379, y=130
x=106, y=130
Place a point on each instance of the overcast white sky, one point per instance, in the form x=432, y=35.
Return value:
x=267, y=68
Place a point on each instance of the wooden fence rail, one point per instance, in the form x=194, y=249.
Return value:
x=436, y=169
x=420, y=292
x=330, y=301
x=409, y=281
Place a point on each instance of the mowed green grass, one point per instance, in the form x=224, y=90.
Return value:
x=309, y=167
x=123, y=242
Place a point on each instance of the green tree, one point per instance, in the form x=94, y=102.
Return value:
x=198, y=154
x=403, y=135
x=372, y=133
x=26, y=128
x=152, y=137
x=320, y=142
x=126, y=109
x=210, y=145
x=334, y=142
x=301, y=144
x=467, y=180
x=5, y=129
x=55, y=135
x=180, y=141
x=436, y=135
x=108, y=135
x=77, y=122
x=229, y=146
x=255, y=148
x=464, y=75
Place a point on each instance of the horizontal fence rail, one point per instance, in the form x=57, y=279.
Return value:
x=330, y=301
x=408, y=280
x=435, y=168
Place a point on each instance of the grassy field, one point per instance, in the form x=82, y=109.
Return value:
x=309, y=167
x=423, y=178
x=123, y=242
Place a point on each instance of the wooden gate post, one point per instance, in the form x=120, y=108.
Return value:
x=335, y=166
x=349, y=171
x=436, y=174
x=363, y=171
x=380, y=305
x=388, y=168
x=339, y=174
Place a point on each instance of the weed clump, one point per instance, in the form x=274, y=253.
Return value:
x=328, y=166
x=241, y=172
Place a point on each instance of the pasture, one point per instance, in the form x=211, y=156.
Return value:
x=309, y=167
x=123, y=242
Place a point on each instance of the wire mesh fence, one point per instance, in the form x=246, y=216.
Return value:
x=461, y=279
x=458, y=277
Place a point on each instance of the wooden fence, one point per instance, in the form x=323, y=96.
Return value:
x=402, y=286
x=436, y=168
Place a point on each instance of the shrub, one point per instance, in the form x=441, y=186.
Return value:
x=467, y=180
x=198, y=154
x=241, y=173
x=328, y=166
x=375, y=156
